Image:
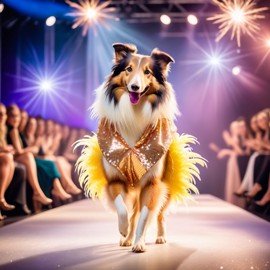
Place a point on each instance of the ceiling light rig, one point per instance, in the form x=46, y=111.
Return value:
x=239, y=17
x=89, y=13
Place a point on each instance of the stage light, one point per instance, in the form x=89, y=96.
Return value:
x=46, y=85
x=236, y=70
x=50, y=21
x=165, y=19
x=268, y=43
x=89, y=13
x=239, y=16
x=1, y=7
x=214, y=60
x=192, y=19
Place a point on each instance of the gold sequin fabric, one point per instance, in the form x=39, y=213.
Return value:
x=134, y=162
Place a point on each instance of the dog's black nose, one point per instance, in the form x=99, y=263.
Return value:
x=135, y=87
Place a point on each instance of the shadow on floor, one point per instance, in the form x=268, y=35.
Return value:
x=168, y=256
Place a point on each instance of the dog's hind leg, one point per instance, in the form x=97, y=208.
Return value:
x=161, y=233
x=116, y=191
x=151, y=202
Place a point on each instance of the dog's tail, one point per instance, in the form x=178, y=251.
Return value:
x=181, y=170
x=89, y=167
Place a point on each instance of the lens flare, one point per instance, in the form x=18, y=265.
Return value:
x=239, y=16
x=46, y=85
x=90, y=13
x=236, y=70
x=268, y=43
x=214, y=60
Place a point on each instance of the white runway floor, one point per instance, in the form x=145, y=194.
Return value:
x=211, y=234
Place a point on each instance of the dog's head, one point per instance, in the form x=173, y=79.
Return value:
x=142, y=77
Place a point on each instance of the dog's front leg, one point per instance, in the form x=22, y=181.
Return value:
x=139, y=245
x=128, y=241
x=116, y=190
x=150, y=202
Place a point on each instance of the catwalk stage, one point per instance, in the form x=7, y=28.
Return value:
x=211, y=234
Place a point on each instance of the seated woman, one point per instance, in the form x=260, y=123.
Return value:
x=69, y=152
x=262, y=163
x=43, y=175
x=12, y=174
x=254, y=143
x=16, y=192
x=233, y=150
x=6, y=162
x=48, y=143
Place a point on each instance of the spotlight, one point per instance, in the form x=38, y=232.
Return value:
x=46, y=86
x=192, y=19
x=236, y=70
x=214, y=60
x=50, y=21
x=268, y=43
x=91, y=13
x=1, y=7
x=238, y=16
x=165, y=19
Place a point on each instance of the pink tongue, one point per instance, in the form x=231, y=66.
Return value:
x=134, y=97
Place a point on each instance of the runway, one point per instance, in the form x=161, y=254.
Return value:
x=210, y=234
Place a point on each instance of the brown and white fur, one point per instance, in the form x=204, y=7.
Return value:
x=135, y=95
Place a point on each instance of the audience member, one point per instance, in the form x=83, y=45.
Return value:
x=253, y=150
x=15, y=190
x=35, y=135
x=43, y=175
x=6, y=162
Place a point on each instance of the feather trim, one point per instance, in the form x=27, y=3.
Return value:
x=89, y=167
x=181, y=170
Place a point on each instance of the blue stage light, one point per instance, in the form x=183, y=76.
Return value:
x=46, y=85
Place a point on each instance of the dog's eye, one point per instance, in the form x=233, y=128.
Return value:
x=129, y=69
x=147, y=72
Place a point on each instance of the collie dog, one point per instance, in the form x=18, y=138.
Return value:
x=136, y=107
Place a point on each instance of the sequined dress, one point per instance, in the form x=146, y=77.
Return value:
x=134, y=162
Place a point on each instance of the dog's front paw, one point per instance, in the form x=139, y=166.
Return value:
x=123, y=224
x=125, y=243
x=139, y=247
x=161, y=240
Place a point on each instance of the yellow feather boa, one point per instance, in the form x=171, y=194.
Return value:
x=180, y=174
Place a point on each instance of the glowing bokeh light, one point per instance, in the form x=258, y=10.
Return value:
x=214, y=60
x=236, y=70
x=165, y=19
x=192, y=19
x=46, y=85
x=268, y=43
x=1, y=7
x=89, y=13
x=239, y=16
x=50, y=21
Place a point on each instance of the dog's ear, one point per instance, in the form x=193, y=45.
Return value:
x=121, y=51
x=162, y=59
